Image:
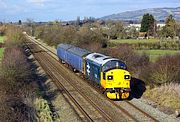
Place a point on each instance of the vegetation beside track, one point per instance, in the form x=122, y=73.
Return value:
x=2, y=39
x=14, y=79
x=18, y=78
x=165, y=95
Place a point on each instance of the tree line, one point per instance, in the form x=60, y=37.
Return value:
x=170, y=30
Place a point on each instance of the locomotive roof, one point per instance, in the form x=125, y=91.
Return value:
x=78, y=51
x=100, y=58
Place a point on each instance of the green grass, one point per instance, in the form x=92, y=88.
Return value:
x=2, y=39
x=134, y=41
x=154, y=54
x=1, y=52
x=1, y=49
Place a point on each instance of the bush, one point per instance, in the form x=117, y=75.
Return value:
x=164, y=70
x=14, y=37
x=16, y=91
x=83, y=37
x=167, y=70
x=16, y=94
x=91, y=40
x=55, y=34
x=125, y=53
x=15, y=67
x=2, y=30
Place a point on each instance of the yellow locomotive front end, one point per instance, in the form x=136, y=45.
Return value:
x=115, y=79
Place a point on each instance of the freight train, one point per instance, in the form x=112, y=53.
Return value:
x=110, y=73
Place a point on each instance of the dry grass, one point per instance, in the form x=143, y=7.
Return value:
x=166, y=95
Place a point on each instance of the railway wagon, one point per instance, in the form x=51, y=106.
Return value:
x=73, y=56
x=62, y=51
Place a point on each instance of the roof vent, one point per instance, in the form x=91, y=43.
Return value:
x=97, y=56
x=106, y=58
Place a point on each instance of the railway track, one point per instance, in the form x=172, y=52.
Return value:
x=55, y=75
x=103, y=113
x=62, y=88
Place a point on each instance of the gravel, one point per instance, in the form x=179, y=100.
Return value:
x=162, y=117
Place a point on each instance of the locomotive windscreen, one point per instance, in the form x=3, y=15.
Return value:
x=114, y=64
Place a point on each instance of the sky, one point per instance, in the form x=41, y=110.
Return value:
x=63, y=10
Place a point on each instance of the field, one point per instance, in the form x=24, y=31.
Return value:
x=133, y=41
x=154, y=54
x=1, y=52
x=2, y=39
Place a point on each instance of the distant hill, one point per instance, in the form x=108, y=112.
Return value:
x=159, y=13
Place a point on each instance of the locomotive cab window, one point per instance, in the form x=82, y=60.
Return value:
x=114, y=64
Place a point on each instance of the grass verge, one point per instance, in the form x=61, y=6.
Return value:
x=154, y=54
x=166, y=95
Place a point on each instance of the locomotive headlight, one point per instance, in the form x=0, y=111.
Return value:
x=126, y=77
x=110, y=77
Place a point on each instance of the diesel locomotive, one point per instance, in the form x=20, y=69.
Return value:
x=110, y=73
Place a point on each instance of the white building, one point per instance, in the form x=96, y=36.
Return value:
x=138, y=26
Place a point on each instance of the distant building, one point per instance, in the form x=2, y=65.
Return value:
x=138, y=26
x=64, y=23
x=142, y=35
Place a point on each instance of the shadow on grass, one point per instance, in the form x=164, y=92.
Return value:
x=41, y=79
x=45, y=89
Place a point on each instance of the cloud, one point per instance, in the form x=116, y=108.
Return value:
x=38, y=2
x=3, y=4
